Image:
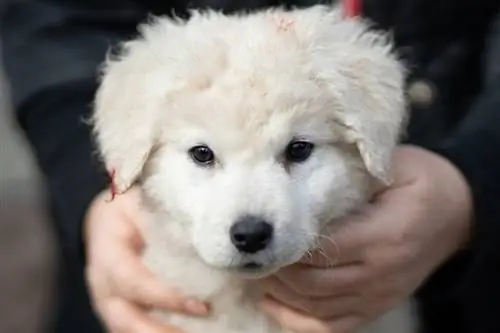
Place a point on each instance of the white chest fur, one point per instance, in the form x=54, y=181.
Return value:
x=234, y=300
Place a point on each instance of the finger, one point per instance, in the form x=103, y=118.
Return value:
x=344, y=241
x=293, y=320
x=347, y=240
x=320, y=282
x=98, y=286
x=120, y=316
x=347, y=324
x=339, y=245
x=319, y=307
x=134, y=282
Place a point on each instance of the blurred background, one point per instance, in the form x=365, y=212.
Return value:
x=26, y=254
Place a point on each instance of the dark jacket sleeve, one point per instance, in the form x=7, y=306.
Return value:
x=51, y=52
x=467, y=287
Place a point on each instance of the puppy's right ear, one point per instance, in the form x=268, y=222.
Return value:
x=124, y=120
x=365, y=76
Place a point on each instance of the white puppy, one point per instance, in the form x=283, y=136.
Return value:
x=248, y=134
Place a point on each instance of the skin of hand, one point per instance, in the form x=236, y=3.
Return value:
x=379, y=256
x=121, y=287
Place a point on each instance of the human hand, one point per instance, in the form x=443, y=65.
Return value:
x=121, y=287
x=379, y=257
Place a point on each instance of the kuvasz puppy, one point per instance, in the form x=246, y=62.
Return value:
x=248, y=134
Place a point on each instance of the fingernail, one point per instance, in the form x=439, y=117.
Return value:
x=196, y=307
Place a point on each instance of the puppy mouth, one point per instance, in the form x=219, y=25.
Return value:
x=253, y=270
x=251, y=266
x=255, y=267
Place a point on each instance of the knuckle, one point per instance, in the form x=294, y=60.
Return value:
x=397, y=242
x=93, y=278
x=95, y=300
x=322, y=327
x=135, y=289
x=114, y=316
x=175, y=303
x=122, y=280
x=98, y=307
x=307, y=306
x=97, y=284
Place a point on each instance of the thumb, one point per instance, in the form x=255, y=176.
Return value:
x=135, y=282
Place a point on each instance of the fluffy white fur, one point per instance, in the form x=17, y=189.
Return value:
x=246, y=85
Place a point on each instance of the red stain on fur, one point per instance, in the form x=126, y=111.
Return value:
x=113, y=187
x=352, y=8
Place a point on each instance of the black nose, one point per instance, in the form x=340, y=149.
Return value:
x=251, y=234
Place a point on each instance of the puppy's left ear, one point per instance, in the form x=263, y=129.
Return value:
x=374, y=110
x=125, y=116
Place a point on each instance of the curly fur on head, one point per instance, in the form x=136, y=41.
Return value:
x=247, y=88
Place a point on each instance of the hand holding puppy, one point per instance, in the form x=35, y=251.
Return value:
x=379, y=257
x=121, y=286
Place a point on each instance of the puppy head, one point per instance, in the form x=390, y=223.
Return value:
x=250, y=133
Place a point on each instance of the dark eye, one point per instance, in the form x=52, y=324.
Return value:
x=298, y=151
x=202, y=155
